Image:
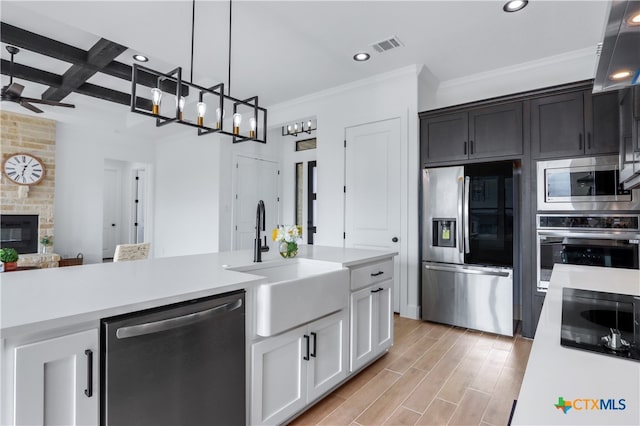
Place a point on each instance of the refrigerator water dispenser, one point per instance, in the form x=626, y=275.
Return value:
x=444, y=232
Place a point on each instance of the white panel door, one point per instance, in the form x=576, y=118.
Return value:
x=52, y=385
x=372, y=194
x=111, y=211
x=255, y=180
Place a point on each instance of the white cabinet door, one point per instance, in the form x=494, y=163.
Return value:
x=362, y=327
x=279, y=379
x=371, y=322
x=384, y=314
x=328, y=354
x=56, y=382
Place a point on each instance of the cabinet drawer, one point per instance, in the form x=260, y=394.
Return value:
x=368, y=274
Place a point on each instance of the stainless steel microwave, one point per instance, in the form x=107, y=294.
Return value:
x=583, y=184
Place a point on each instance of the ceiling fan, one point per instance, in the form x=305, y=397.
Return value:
x=12, y=91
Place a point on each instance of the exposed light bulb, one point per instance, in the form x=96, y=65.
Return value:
x=309, y=125
x=180, y=104
x=237, y=119
x=252, y=125
x=156, y=97
x=295, y=129
x=202, y=109
x=219, y=116
x=289, y=129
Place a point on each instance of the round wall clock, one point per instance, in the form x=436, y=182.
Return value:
x=23, y=169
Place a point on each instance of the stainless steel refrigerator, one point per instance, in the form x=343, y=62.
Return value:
x=467, y=246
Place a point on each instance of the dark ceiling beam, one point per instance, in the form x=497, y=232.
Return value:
x=55, y=49
x=100, y=54
x=54, y=80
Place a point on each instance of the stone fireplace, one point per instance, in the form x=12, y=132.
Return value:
x=36, y=136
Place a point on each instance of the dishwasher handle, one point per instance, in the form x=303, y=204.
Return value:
x=171, y=323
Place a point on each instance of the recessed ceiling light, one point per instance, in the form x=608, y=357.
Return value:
x=514, y=5
x=620, y=75
x=361, y=56
x=140, y=58
x=634, y=19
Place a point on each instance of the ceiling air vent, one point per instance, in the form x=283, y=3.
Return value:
x=387, y=44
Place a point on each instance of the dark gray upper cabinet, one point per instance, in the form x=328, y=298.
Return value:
x=574, y=124
x=487, y=132
x=496, y=131
x=444, y=138
x=557, y=125
x=602, y=123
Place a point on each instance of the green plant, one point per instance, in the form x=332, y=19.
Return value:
x=8, y=255
x=47, y=240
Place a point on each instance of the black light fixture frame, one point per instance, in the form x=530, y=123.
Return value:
x=285, y=129
x=173, y=83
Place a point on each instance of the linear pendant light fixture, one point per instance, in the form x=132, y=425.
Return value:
x=295, y=128
x=171, y=85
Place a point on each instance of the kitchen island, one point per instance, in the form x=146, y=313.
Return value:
x=555, y=373
x=54, y=315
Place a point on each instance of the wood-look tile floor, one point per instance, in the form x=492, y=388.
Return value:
x=433, y=375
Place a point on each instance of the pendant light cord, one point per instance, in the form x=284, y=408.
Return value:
x=193, y=22
x=229, y=75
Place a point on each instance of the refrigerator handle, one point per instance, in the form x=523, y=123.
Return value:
x=465, y=224
x=460, y=210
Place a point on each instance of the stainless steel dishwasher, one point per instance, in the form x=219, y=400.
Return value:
x=181, y=364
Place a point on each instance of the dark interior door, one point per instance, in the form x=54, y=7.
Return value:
x=490, y=214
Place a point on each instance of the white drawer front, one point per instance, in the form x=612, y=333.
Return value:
x=363, y=276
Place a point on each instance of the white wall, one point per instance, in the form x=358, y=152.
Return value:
x=187, y=182
x=389, y=95
x=81, y=150
x=567, y=68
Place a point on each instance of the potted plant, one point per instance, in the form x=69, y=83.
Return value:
x=46, y=241
x=9, y=257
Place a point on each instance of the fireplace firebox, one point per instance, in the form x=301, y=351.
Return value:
x=19, y=231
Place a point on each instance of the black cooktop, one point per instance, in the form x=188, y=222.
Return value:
x=606, y=323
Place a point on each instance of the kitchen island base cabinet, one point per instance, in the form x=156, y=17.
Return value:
x=295, y=368
x=56, y=381
x=371, y=323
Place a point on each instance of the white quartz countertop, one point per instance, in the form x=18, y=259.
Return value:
x=36, y=300
x=554, y=371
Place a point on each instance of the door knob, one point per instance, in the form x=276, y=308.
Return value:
x=113, y=224
x=394, y=239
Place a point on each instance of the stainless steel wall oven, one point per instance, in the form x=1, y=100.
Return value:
x=596, y=240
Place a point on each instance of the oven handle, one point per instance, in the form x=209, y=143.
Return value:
x=633, y=238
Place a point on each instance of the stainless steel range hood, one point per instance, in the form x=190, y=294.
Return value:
x=620, y=48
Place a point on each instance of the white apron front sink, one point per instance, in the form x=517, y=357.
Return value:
x=297, y=291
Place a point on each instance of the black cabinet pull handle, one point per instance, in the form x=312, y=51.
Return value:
x=315, y=341
x=89, y=390
x=377, y=274
x=465, y=147
x=470, y=147
x=588, y=140
x=306, y=358
x=580, y=141
x=377, y=290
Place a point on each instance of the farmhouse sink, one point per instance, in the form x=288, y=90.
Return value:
x=297, y=291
